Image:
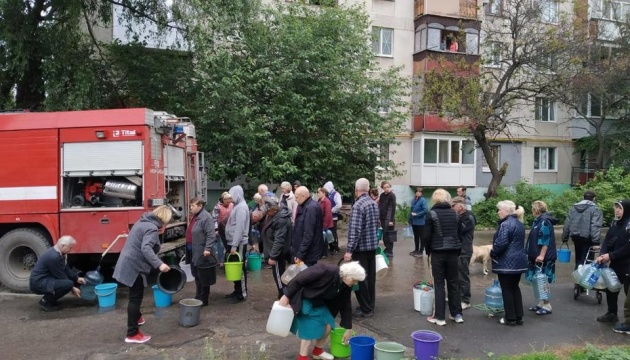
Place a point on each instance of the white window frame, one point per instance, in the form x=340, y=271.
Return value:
x=589, y=107
x=496, y=151
x=447, y=157
x=541, y=160
x=492, y=52
x=614, y=10
x=545, y=105
x=549, y=11
x=493, y=7
x=377, y=42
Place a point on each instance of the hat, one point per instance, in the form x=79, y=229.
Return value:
x=589, y=195
x=269, y=202
x=297, y=182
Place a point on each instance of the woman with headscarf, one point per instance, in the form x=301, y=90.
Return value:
x=200, y=239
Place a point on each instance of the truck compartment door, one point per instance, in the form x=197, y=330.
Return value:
x=95, y=230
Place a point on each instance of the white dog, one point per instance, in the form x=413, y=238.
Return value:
x=481, y=254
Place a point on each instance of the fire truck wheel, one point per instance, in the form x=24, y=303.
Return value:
x=19, y=250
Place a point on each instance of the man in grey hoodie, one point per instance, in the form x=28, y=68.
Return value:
x=583, y=224
x=237, y=236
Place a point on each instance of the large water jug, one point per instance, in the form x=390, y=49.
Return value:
x=426, y=301
x=280, y=319
x=540, y=283
x=494, y=296
x=92, y=278
x=610, y=278
x=590, y=276
x=291, y=271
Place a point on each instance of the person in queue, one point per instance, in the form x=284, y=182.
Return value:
x=137, y=259
x=541, y=250
x=276, y=233
x=509, y=259
x=317, y=295
x=200, y=240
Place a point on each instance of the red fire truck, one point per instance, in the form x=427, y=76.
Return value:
x=90, y=174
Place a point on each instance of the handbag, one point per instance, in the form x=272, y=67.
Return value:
x=391, y=235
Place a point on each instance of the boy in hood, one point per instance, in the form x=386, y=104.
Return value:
x=583, y=224
x=237, y=236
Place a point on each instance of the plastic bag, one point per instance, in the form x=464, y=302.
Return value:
x=610, y=279
x=540, y=283
x=291, y=272
x=408, y=233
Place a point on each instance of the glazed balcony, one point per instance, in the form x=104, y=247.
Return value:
x=462, y=9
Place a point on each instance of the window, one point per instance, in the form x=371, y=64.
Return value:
x=496, y=155
x=472, y=43
x=492, y=54
x=383, y=41
x=545, y=159
x=615, y=10
x=446, y=151
x=545, y=109
x=493, y=7
x=417, y=152
x=549, y=11
x=591, y=107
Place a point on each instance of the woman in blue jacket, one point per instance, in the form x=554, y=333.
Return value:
x=509, y=260
x=417, y=215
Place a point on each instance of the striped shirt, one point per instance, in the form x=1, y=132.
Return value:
x=363, y=224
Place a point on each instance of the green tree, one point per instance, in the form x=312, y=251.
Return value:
x=293, y=92
x=482, y=99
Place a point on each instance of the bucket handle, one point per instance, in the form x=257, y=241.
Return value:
x=227, y=257
x=254, y=251
x=183, y=259
x=103, y=294
x=563, y=244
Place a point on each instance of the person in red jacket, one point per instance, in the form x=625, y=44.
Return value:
x=327, y=218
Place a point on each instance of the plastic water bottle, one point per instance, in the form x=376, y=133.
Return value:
x=494, y=296
x=541, y=286
x=590, y=277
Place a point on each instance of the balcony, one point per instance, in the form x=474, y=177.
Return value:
x=433, y=123
x=466, y=9
x=419, y=6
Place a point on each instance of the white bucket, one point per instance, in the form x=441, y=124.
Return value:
x=381, y=267
x=426, y=302
x=280, y=320
x=416, y=298
x=186, y=268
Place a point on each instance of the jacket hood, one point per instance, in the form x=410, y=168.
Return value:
x=583, y=205
x=329, y=187
x=625, y=204
x=237, y=194
x=547, y=216
x=151, y=218
x=283, y=213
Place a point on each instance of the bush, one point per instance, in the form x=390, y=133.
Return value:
x=402, y=213
x=610, y=186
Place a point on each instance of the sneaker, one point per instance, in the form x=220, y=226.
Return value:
x=433, y=320
x=324, y=355
x=466, y=305
x=608, y=317
x=139, y=338
x=622, y=328
x=141, y=321
x=457, y=318
x=46, y=306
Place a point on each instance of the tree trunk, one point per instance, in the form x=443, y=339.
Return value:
x=497, y=173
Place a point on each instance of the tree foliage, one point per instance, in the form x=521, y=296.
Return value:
x=293, y=92
x=485, y=99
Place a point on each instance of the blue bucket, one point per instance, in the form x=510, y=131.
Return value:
x=161, y=298
x=106, y=294
x=564, y=255
x=362, y=347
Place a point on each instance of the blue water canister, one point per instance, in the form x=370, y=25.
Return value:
x=494, y=296
x=590, y=276
x=540, y=284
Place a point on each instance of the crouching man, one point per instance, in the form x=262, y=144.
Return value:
x=52, y=277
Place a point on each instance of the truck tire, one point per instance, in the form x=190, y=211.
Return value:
x=19, y=250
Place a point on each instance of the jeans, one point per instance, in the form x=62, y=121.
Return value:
x=464, y=278
x=366, y=295
x=512, y=298
x=444, y=267
x=136, y=293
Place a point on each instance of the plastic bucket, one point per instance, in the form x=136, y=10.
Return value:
x=381, y=267
x=233, y=269
x=106, y=294
x=254, y=261
x=389, y=351
x=564, y=255
x=189, y=310
x=186, y=268
x=362, y=347
x=380, y=251
x=207, y=271
x=426, y=344
x=172, y=281
x=161, y=298
x=337, y=348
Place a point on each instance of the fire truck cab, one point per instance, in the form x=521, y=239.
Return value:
x=91, y=175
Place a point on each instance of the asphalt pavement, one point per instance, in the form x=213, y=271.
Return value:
x=81, y=330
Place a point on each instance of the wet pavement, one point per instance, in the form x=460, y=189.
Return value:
x=83, y=331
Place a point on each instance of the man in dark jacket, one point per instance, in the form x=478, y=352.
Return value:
x=276, y=233
x=308, y=233
x=466, y=233
x=387, y=217
x=52, y=277
x=583, y=224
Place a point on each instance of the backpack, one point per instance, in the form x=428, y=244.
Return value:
x=331, y=197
